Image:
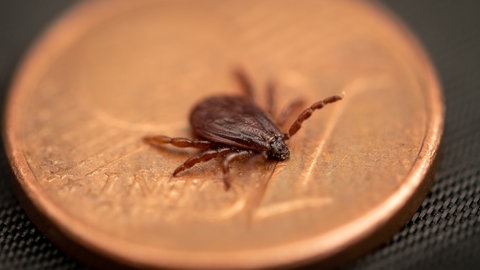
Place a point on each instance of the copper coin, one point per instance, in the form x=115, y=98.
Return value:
x=111, y=72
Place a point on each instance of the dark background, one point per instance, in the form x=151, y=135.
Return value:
x=445, y=231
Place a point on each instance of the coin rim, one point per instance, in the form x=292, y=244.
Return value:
x=65, y=230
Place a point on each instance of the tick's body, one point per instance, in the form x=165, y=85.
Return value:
x=237, y=121
x=234, y=126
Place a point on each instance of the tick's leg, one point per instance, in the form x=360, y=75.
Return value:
x=178, y=142
x=244, y=82
x=307, y=113
x=202, y=157
x=226, y=165
x=287, y=111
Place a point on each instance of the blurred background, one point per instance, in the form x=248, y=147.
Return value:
x=445, y=231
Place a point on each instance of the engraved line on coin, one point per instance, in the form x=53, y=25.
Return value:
x=353, y=89
x=298, y=203
x=224, y=213
x=257, y=197
x=111, y=148
x=111, y=177
x=94, y=140
x=290, y=206
x=138, y=149
x=120, y=145
x=139, y=180
x=106, y=147
x=62, y=125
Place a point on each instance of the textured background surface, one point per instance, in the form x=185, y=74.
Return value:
x=445, y=231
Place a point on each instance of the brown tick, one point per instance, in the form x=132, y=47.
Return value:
x=234, y=127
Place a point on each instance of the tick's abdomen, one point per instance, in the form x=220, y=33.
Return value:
x=237, y=121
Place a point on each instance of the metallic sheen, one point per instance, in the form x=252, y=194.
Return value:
x=110, y=72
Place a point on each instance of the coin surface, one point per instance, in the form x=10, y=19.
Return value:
x=111, y=72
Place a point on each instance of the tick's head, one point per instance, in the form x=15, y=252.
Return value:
x=278, y=149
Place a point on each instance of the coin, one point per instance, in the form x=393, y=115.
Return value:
x=109, y=73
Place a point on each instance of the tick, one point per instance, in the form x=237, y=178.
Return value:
x=235, y=127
